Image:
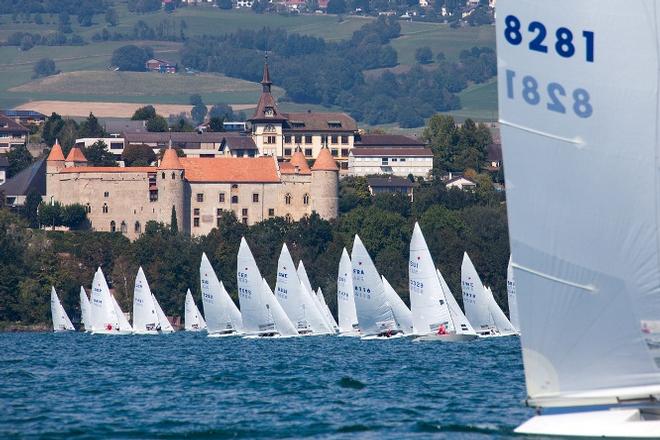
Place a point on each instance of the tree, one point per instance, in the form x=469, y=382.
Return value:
x=73, y=216
x=98, y=155
x=138, y=155
x=223, y=111
x=198, y=113
x=19, y=158
x=174, y=225
x=336, y=7
x=44, y=67
x=196, y=99
x=29, y=210
x=50, y=214
x=424, y=55
x=157, y=123
x=131, y=58
x=91, y=127
x=144, y=113
x=111, y=17
x=64, y=23
x=216, y=124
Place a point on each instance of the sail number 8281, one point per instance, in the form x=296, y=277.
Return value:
x=555, y=95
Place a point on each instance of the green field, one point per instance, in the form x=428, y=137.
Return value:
x=478, y=102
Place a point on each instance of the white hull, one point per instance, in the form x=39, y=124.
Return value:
x=446, y=338
x=103, y=332
x=495, y=335
x=384, y=338
x=349, y=335
x=147, y=332
x=224, y=335
x=615, y=423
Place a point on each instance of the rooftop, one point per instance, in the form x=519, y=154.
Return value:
x=387, y=140
x=56, y=152
x=322, y=121
x=75, y=155
x=31, y=178
x=325, y=162
x=177, y=137
x=231, y=169
x=170, y=160
x=389, y=182
x=139, y=170
x=8, y=125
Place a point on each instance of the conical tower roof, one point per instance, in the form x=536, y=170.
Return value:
x=170, y=160
x=76, y=155
x=298, y=160
x=56, y=152
x=325, y=162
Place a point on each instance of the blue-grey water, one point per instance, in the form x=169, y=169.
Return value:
x=185, y=385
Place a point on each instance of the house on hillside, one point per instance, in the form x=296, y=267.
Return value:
x=391, y=185
x=12, y=134
x=461, y=182
x=389, y=154
x=161, y=66
x=25, y=117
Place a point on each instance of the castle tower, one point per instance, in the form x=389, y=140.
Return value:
x=267, y=122
x=75, y=158
x=299, y=162
x=171, y=189
x=54, y=164
x=325, y=185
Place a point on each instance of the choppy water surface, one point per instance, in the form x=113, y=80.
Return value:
x=188, y=385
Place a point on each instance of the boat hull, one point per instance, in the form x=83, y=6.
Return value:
x=613, y=423
x=447, y=338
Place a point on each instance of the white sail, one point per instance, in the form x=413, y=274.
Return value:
x=304, y=279
x=402, y=313
x=122, y=321
x=283, y=324
x=504, y=326
x=374, y=313
x=587, y=262
x=257, y=319
x=461, y=323
x=193, y=320
x=145, y=319
x=294, y=298
x=348, y=322
x=302, y=274
x=326, y=311
x=164, y=325
x=85, y=310
x=476, y=299
x=61, y=321
x=427, y=299
x=103, y=316
x=511, y=296
x=222, y=315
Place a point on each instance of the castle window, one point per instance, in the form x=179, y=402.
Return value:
x=244, y=212
x=287, y=199
x=288, y=218
x=269, y=140
x=138, y=228
x=88, y=209
x=287, y=139
x=123, y=227
x=218, y=212
x=153, y=196
x=308, y=139
x=308, y=152
x=200, y=197
x=105, y=209
x=271, y=212
x=234, y=199
x=245, y=220
x=344, y=139
x=255, y=198
x=306, y=199
x=334, y=152
x=298, y=139
x=384, y=161
x=196, y=222
x=173, y=175
x=163, y=175
x=287, y=151
x=344, y=152
x=234, y=186
x=113, y=226
x=218, y=222
x=106, y=194
x=334, y=138
x=196, y=211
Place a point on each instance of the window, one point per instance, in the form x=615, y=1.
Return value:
x=105, y=208
x=138, y=228
x=123, y=227
x=200, y=197
x=287, y=139
x=196, y=222
x=173, y=175
x=334, y=152
x=324, y=139
x=384, y=161
x=344, y=152
x=244, y=212
x=271, y=212
x=298, y=139
x=196, y=211
x=287, y=199
x=245, y=220
x=403, y=159
x=344, y=139
x=269, y=140
x=218, y=222
x=116, y=145
x=218, y=212
x=153, y=196
x=221, y=197
x=334, y=138
x=306, y=199
x=394, y=159
x=106, y=194
x=308, y=139
x=163, y=175
x=308, y=152
x=288, y=218
x=234, y=199
x=255, y=198
x=113, y=226
x=234, y=186
x=88, y=209
x=287, y=151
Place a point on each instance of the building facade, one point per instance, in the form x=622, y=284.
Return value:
x=12, y=134
x=394, y=155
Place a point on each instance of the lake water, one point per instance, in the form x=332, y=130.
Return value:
x=74, y=386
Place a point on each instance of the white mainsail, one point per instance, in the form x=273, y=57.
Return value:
x=61, y=321
x=103, y=316
x=427, y=299
x=476, y=300
x=145, y=319
x=294, y=298
x=348, y=322
x=304, y=279
x=587, y=262
x=283, y=324
x=374, y=313
x=461, y=323
x=257, y=319
x=504, y=326
x=85, y=310
x=193, y=320
x=122, y=321
x=326, y=311
x=511, y=296
x=401, y=311
x=164, y=325
x=222, y=315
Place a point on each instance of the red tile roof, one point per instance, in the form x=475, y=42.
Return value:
x=230, y=169
x=170, y=161
x=110, y=170
x=325, y=162
x=56, y=152
x=299, y=162
x=75, y=155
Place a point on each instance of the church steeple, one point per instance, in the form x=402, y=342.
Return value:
x=267, y=108
x=265, y=81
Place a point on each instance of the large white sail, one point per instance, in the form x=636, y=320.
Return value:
x=348, y=322
x=326, y=311
x=85, y=310
x=587, y=264
x=193, y=320
x=504, y=326
x=61, y=321
x=476, y=300
x=374, y=313
x=401, y=311
x=283, y=324
x=145, y=319
x=511, y=296
x=222, y=315
x=304, y=279
x=164, y=325
x=461, y=323
x=257, y=319
x=427, y=299
x=294, y=298
x=122, y=321
x=103, y=316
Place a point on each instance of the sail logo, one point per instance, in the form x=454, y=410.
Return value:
x=282, y=275
x=244, y=293
x=207, y=295
x=358, y=271
x=206, y=282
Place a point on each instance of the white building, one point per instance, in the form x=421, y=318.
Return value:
x=4, y=164
x=389, y=154
x=461, y=182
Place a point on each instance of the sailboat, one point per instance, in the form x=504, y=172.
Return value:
x=374, y=312
x=283, y=324
x=222, y=316
x=295, y=299
x=402, y=313
x=461, y=323
x=61, y=321
x=504, y=326
x=164, y=325
x=304, y=279
x=511, y=296
x=587, y=254
x=429, y=299
x=103, y=313
x=348, y=322
x=145, y=319
x=193, y=320
x=326, y=311
x=85, y=310
x=124, y=326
